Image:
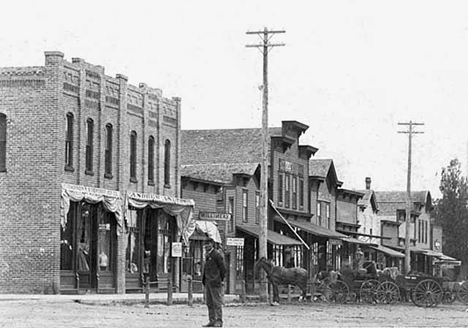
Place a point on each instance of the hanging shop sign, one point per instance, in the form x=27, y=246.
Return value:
x=176, y=249
x=234, y=241
x=214, y=216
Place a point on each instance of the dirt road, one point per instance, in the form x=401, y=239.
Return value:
x=42, y=313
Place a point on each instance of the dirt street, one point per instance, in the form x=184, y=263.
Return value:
x=43, y=313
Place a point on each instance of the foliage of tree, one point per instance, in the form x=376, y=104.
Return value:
x=451, y=212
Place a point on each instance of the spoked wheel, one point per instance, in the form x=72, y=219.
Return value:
x=337, y=291
x=449, y=297
x=463, y=293
x=387, y=293
x=368, y=290
x=427, y=293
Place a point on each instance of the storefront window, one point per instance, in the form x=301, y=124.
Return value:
x=105, y=255
x=133, y=240
x=66, y=242
x=164, y=245
x=240, y=262
x=84, y=240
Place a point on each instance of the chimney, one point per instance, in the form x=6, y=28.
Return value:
x=368, y=183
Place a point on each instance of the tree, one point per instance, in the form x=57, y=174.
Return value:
x=451, y=212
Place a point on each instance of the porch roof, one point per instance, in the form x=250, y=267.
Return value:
x=272, y=236
x=390, y=252
x=316, y=229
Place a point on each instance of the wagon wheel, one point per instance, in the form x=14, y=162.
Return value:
x=463, y=293
x=337, y=291
x=449, y=297
x=367, y=290
x=387, y=293
x=427, y=293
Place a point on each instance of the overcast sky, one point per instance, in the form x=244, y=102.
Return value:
x=351, y=70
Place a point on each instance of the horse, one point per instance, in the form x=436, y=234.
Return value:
x=283, y=276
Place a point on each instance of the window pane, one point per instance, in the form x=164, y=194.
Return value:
x=133, y=242
x=66, y=242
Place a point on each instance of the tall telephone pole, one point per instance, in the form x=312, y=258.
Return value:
x=410, y=133
x=265, y=46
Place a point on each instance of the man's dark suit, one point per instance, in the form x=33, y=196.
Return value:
x=213, y=277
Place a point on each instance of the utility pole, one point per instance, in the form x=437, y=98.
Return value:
x=265, y=46
x=410, y=133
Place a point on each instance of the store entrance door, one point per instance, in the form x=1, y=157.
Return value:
x=87, y=247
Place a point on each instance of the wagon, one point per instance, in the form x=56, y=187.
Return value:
x=365, y=285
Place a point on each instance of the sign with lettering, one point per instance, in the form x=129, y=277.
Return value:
x=234, y=241
x=214, y=216
x=161, y=199
x=176, y=249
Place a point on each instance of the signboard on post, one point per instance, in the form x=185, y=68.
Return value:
x=214, y=216
x=235, y=241
x=177, y=249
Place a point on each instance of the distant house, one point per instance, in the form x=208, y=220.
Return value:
x=373, y=231
x=392, y=214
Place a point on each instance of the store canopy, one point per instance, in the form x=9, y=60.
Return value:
x=316, y=229
x=209, y=229
x=181, y=209
x=413, y=249
x=111, y=200
x=272, y=236
x=352, y=240
x=278, y=214
x=388, y=251
x=439, y=256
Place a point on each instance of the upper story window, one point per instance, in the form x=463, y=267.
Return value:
x=245, y=201
x=69, y=142
x=3, y=134
x=108, y=152
x=280, y=189
x=257, y=207
x=294, y=193
x=167, y=164
x=89, y=146
x=301, y=193
x=151, y=160
x=230, y=209
x=133, y=156
x=287, y=183
x=319, y=213
x=328, y=216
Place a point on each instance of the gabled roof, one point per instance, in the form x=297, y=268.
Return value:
x=368, y=198
x=221, y=172
x=221, y=146
x=322, y=168
x=390, y=201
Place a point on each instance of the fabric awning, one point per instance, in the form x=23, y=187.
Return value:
x=439, y=256
x=181, y=209
x=316, y=229
x=390, y=252
x=210, y=229
x=272, y=236
x=111, y=199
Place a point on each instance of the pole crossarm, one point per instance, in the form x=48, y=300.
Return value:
x=410, y=133
x=264, y=48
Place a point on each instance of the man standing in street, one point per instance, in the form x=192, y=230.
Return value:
x=214, y=272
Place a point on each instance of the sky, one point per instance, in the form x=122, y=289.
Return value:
x=350, y=70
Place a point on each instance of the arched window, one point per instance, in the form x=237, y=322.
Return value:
x=167, y=164
x=133, y=156
x=151, y=160
x=3, y=134
x=69, y=142
x=89, y=146
x=108, y=152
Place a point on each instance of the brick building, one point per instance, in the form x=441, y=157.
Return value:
x=77, y=146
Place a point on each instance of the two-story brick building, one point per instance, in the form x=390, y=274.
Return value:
x=89, y=180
